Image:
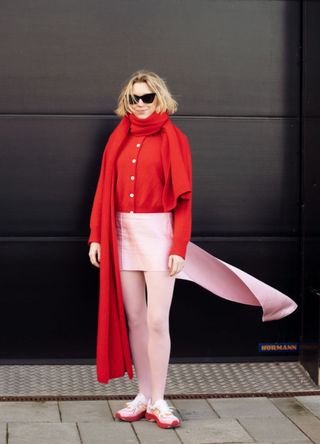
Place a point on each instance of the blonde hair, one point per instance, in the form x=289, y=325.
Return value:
x=157, y=85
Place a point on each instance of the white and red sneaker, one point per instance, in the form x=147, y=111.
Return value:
x=134, y=409
x=161, y=412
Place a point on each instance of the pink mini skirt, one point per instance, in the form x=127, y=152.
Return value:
x=144, y=240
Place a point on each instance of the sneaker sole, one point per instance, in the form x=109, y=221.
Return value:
x=130, y=418
x=151, y=417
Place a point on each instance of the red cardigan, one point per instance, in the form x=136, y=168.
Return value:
x=139, y=187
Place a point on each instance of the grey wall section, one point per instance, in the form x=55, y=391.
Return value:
x=234, y=68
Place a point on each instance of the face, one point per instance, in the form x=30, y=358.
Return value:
x=140, y=109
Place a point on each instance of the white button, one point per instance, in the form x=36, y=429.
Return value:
x=132, y=177
x=131, y=194
x=134, y=160
x=131, y=211
x=138, y=145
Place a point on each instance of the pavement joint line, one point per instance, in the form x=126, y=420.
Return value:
x=242, y=425
x=177, y=434
x=134, y=431
x=59, y=411
x=79, y=433
x=212, y=408
x=110, y=410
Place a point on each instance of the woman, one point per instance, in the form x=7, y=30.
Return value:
x=152, y=239
x=140, y=235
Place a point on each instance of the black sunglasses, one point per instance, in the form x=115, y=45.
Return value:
x=146, y=98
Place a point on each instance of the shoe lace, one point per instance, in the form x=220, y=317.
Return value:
x=134, y=403
x=165, y=409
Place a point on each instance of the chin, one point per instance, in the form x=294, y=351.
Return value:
x=144, y=116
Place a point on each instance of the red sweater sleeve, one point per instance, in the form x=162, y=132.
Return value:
x=182, y=227
x=95, y=218
x=182, y=213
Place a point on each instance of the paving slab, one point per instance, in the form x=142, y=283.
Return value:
x=194, y=409
x=3, y=433
x=273, y=429
x=148, y=432
x=40, y=433
x=245, y=407
x=310, y=402
x=33, y=411
x=85, y=411
x=107, y=433
x=290, y=406
x=310, y=426
x=212, y=431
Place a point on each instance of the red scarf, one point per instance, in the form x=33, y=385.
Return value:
x=150, y=125
x=113, y=349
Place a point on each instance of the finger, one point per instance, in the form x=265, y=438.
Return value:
x=179, y=267
x=99, y=253
x=177, y=270
x=93, y=261
x=174, y=268
x=96, y=264
x=171, y=263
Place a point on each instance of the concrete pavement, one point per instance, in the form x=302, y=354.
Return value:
x=291, y=420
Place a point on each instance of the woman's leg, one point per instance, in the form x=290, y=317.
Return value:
x=160, y=286
x=134, y=299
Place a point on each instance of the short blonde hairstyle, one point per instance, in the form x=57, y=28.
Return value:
x=157, y=85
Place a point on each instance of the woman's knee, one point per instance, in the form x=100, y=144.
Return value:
x=137, y=319
x=157, y=323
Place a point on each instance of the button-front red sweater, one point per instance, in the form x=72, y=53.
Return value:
x=139, y=186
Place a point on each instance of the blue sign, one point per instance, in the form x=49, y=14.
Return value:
x=278, y=347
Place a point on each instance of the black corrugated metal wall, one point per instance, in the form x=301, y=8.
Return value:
x=234, y=67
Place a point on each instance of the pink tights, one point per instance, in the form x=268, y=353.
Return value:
x=148, y=322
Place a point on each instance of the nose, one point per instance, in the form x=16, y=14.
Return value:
x=140, y=102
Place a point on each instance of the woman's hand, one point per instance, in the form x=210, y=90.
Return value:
x=94, y=253
x=175, y=264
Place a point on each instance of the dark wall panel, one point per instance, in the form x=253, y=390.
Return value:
x=311, y=157
x=220, y=57
x=50, y=296
x=310, y=337
x=246, y=174
x=311, y=71
x=48, y=173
